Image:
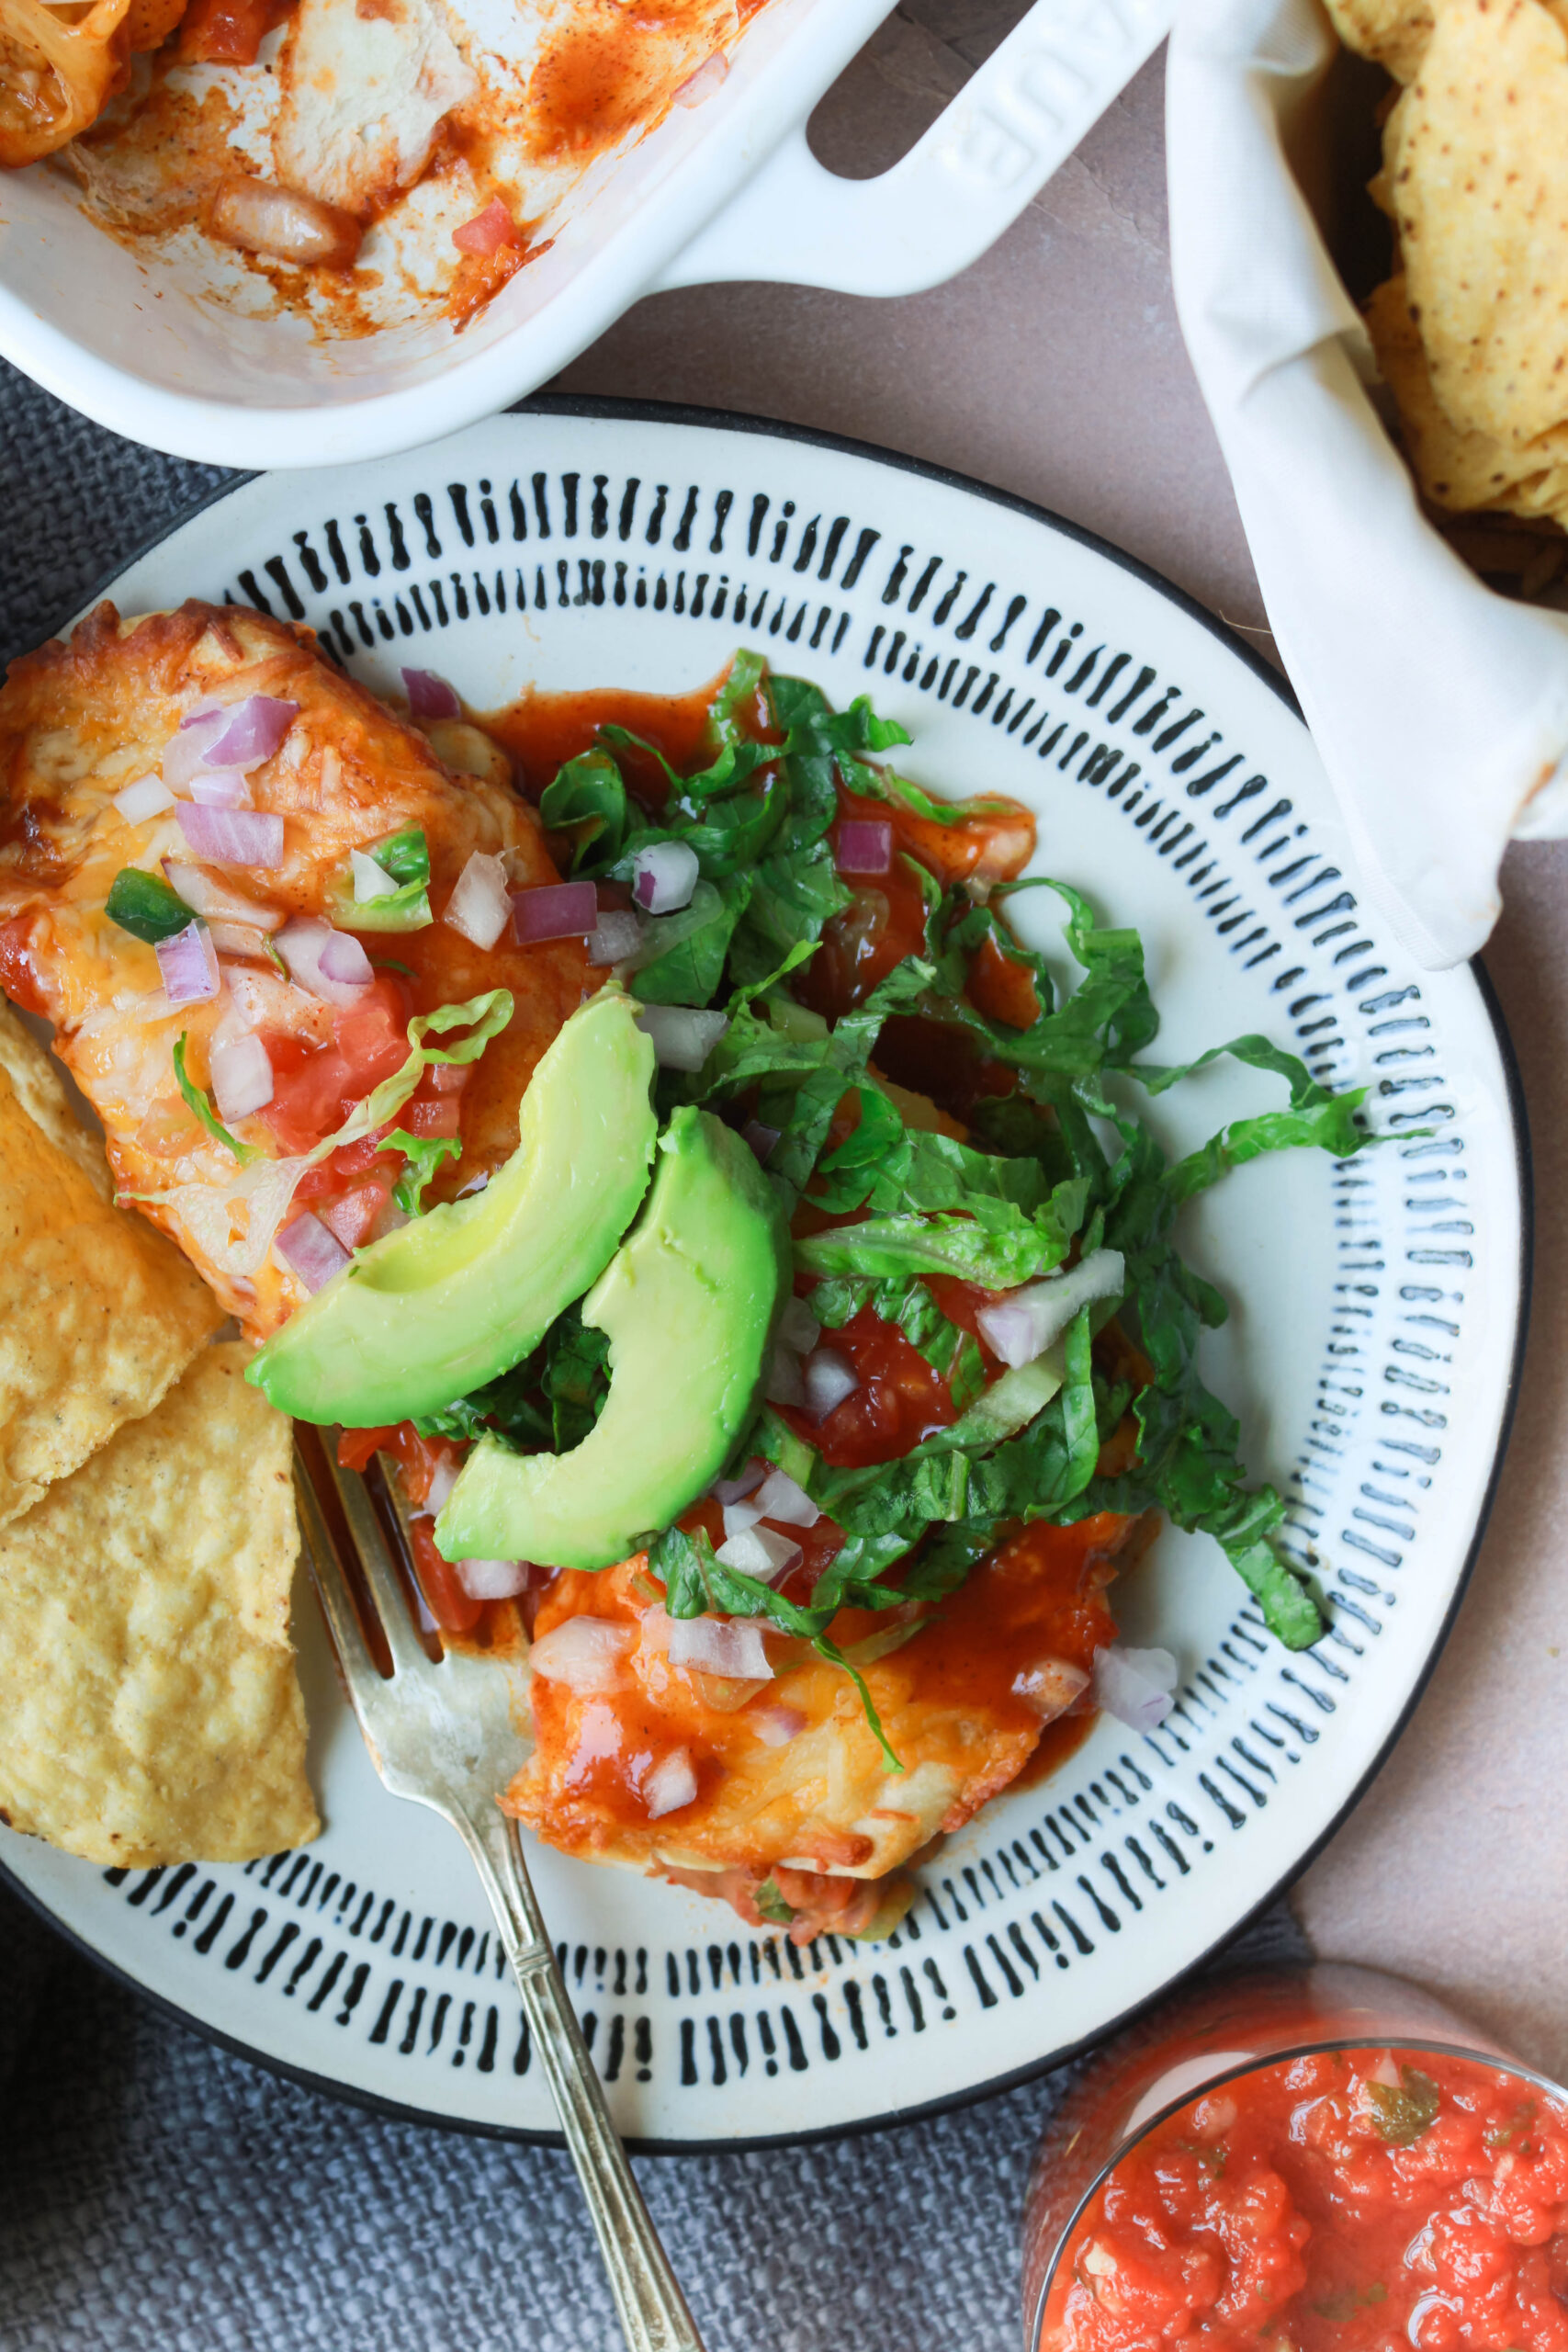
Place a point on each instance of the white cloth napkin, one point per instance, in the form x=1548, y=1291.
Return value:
x=1441, y=709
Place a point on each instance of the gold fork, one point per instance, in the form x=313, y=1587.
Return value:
x=440, y=1732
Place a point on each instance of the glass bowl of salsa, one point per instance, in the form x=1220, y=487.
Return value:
x=1315, y=2160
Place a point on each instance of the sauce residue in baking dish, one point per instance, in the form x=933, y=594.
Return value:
x=413, y=116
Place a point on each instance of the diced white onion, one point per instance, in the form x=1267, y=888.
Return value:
x=1134, y=1686
x=787, y=1383
x=441, y=1487
x=1050, y=1687
x=242, y=1076
x=618, y=937
x=738, y=1517
x=683, y=1038
x=148, y=797
x=776, y=1725
x=664, y=876
x=780, y=1497
x=670, y=1785
x=798, y=1327
x=759, y=1552
x=585, y=1652
x=1024, y=1323
x=728, y=1645
x=492, y=1580
x=371, y=881
x=480, y=906
x=829, y=1378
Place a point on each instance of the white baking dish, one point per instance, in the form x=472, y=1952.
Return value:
x=725, y=189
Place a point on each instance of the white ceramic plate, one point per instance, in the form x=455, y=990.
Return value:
x=1371, y=1349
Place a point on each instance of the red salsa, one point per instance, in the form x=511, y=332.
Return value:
x=1358, y=2200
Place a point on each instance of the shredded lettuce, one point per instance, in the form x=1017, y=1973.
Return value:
x=197, y=1099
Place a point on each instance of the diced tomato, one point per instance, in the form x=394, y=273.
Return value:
x=314, y=1090
x=353, y=1214
x=341, y=1168
x=439, y=1116
x=19, y=973
x=1002, y=988
x=488, y=231
x=308, y=1102
x=372, y=1035
x=357, y=1448
x=455, y=1610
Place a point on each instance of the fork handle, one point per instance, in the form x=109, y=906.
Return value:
x=653, y=2311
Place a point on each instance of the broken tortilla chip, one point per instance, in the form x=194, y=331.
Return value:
x=149, y=1707
x=1392, y=33
x=1467, y=473
x=98, y=1314
x=41, y=1093
x=1476, y=174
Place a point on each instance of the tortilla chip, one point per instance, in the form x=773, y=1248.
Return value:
x=149, y=1707
x=1392, y=33
x=98, y=1314
x=41, y=1093
x=1476, y=164
x=1465, y=472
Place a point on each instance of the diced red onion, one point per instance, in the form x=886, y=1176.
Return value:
x=185, y=755
x=683, y=1038
x=780, y=1497
x=1049, y=1688
x=865, y=845
x=237, y=939
x=775, y=1725
x=371, y=881
x=308, y=1249
x=492, y=1580
x=304, y=946
x=746, y=1481
x=221, y=788
x=798, y=1327
x=664, y=876
x=760, y=1552
x=189, y=962
x=481, y=904
x=585, y=1652
x=148, y=797
x=670, y=1785
x=233, y=836
x=731, y=1646
x=242, y=1076
x=1024, y=1323
x=763, y=1140
x=206, y=894
x=787, y=1383
x=342, y=959
x=430, y=697
x=618, y=937
x=252, y=731
x=829, y=1378
x=554, y=911
x=1134, y=1686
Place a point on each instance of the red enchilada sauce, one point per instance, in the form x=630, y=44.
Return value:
x=1360, y=2200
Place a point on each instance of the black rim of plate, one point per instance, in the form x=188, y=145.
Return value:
x=595, y=409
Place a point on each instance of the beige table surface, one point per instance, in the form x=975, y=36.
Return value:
x=1055, y=369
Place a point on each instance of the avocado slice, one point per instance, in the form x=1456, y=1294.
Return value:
x=465, y=1292
x=690, y=1303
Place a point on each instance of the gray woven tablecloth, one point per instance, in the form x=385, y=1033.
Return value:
x=154, y=2190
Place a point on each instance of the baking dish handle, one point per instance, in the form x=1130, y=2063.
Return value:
x=1020, y=116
